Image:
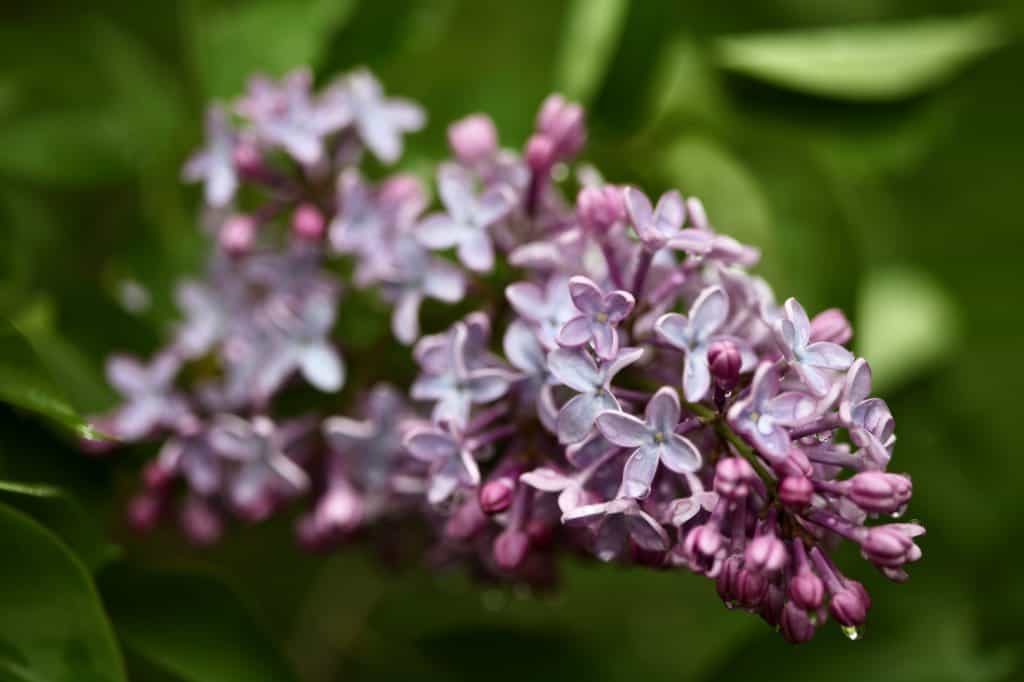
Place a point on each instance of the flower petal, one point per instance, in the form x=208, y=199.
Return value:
x=618, y=305
x=639, y=472
x=623, y=429
x=680, y=455
x=828, y=355
x=696, y=375
x=546, y=479
x=708, y=313
x=323, y=367
x=662, y=413
x=645, y=531
x=674, y=329
x=797, y=316
x=429, y=444
x=574, y=368
x=641, y=214
x=577, y=416
x=669, y=214
x=586, y=295
x=574, y=333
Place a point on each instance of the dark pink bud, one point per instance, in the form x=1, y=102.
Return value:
x=467, y=521
x=157, y=475
x=308, y=222
x=848, y=608
x=796, y=491
x=541, y=532
x=750, y=587
x=473, y=138
x=797, y=625
x=880, y=492
x=600, y=208
x=510, y=548
x=248, y=159
x=200, y=522
x=772, y=604
x=540, y=153
x=888, y=546
x=726, y=582
x=496, y=496
x=563, y=122
x=831, y=325
x=807, y=590
x=794, y=464
x=766, y=553
x=725, y=362
x=144, y=511
x=733, y=477
x=340, y=510
x=237, y=235
x=702, y=541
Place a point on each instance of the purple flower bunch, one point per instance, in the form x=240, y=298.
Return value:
x=632, y=392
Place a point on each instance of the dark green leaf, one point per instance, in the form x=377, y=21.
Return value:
x=863, y=62
x=52, y=627
x=190, y=625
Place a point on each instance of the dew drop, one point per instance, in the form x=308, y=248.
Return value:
x=853, y=633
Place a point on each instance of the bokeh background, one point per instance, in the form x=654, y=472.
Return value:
x=872, y=148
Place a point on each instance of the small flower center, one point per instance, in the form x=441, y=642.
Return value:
x=601, y=317
x=659, y=437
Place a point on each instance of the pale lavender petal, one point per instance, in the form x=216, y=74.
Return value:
x=790, y=408
x=476, y=250
x=571, y=498
x=623, y=429
x=641, y=214
x=662, y=413
x=669, y=214
x=674, y=329
x=471, y=470
x=692, y=241
x=618, y=305
x=625, y=358
x=405, y=318
x=438, y=231
x=574, y=368
x=577, y=416
x=858, y=382
x=765, y=384
x=639, y=472
x=527, y=299
x=523, y=350
x=127, y=375
x=585, y=515
x=323, y=367
x=546, y=479
x=456, y=189
x=828, y=355
x=547, y=409
x=708, y=312
x=815, y=379
x=430, y=445
x=606, y=340
x=696, y=376
x=680, y=455
x=444, y=281
x=646, y=532
x=492, y=206
x=801, y=325
x=586, y=295
x=485, y=385
x=234, y=438
x=574, y=333
x=137, y=418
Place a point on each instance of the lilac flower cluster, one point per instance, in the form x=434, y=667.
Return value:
x=632, y=392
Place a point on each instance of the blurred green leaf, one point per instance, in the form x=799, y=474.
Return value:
x=33, y=489
x=25, y=383
x=52, y=626
x=67, y=147
x=591, y=34
x=270, y=36
x=906, y=325
x=863, y=62
x=191, y=625
x=686, y=84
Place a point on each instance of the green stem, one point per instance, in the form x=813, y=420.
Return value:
x=723, y=430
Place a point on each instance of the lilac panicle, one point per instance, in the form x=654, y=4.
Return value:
x=635, y=394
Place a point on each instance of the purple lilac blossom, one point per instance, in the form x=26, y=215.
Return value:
x=554, y=442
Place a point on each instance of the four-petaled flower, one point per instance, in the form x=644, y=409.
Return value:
x=150, y=399
x=762, y=415
x=662, y=225
x=458, y=386
x=577, y=370
x=810, y=360
x=600, y=315
x=693, y=335
x=450, y=458
x=467, y=220
x=868, y=419
x=547, y=307
x=655, y=441
x=615, y=523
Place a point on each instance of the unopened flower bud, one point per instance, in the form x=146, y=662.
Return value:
x=797, y=625
x=733, y=477
x=540, y=153
x=766, y=553
x=496, y=496
x=750, y=587
x=308, y=222
x=795, y=463
x=889, y=546
x=340, y=510
x=237, y=234
x=157, y=474
x=467, y=521
x=879, y=492
x=725, y=362
x=563, y=123
x=831, y=325
x=473, y=138
x=796, y=491
x=703, y=541
x=510, y=548
x=248, y=159
x=726, y=582
x=144, y=511
x=600, y=208
x=848, y=608
x=200, y=522
x=807, y=590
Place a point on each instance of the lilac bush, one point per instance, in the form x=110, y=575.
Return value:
x=624, y=386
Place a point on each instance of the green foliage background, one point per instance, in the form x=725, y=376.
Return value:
x=873, y=149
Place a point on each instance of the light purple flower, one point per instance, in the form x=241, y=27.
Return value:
x=150, y=398
x=524, y=352
x=599, y=318
x=869, y=420
x=451, y=461
x=693, y=335
x=655, y=441
x=380, y=121
x=371, y=445
x=812, y=361
x=413, y=275
x=206, y=320
x=266, y=473
x=458, y=387
x=360, y=221
x=467, y=220
x=615, y=523
x=762, y=416
x=214, y=165
x=285, y=115
x=190, y=453
x=577, y=370
x=547, y=307
x=301, y=343
x=662, y=225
